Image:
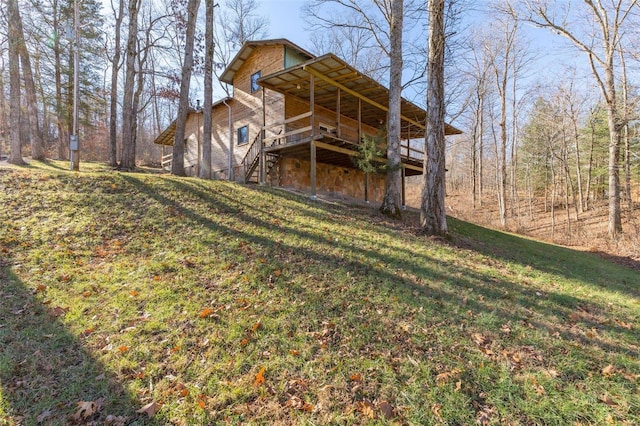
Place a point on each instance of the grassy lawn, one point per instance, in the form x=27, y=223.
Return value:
x=149, y=299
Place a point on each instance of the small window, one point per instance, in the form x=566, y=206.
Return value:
x=243, y=135
x=254, y=81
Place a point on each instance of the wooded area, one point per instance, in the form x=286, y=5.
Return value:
x=567, y=138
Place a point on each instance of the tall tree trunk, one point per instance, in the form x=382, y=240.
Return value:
x=502, y=159
x=4, y=119
x=391, y=204
x=592, y=125
x=61, y=110
x=113, y=103
x=433, y=219
x=615, y=219
x=14, y=84
x=177, y=162
x=625, y=132
x=576, y=142
x=35, y=134
x=205, y=167
x=128, y=159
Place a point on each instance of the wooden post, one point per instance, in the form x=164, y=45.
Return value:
x=403, y=201
x=359, y=121
x=312, y=144
x=338, y=133
x=262, y=178
x=366, y=188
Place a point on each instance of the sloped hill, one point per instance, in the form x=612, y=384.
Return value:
x=150, y=299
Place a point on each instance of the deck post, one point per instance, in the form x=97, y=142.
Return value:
x=338, y=133
x=403, y=201
x=312, y=144
x=366, y=187
x=262, y=179
x=359, y=121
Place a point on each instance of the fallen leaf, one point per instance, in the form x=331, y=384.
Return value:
x=175, y=349
x=244, y=342
x=386, y=409
x=277, y=272
x=40, y=288
x=86, y=294
x=59, y=311
x=608, y=370
x=44, y=415
x=206, y=312
x=123, y=348
x=86, y=409
x=294, y=352
x=483, y=418
x=256, y=326
x=435, y=409
x=607, y=400
x=444, y=377
x=150, y=409
x=259, y=380
x=133, y=293
x=356, y=377
x=366, y=408
x=201, y=403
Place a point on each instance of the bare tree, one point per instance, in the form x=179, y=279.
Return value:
x=128, y=154
x=433, y=219
x=177, y=162
x=476, y=72
x=115, y=71
x=354, y=44
x=14, y=83
x=503, y=55
x=205, y=170
x=35, y=133
x=238, y=22
x=599, y=42
x=391, y=203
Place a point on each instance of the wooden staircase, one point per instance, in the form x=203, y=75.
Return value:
x=251, y=161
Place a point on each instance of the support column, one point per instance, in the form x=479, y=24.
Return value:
x=262, y=178
x=359, y=121
x=338, y=132
x=403, y=200
x=312, y=144
x=366, y=188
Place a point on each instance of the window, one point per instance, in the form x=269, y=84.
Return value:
x=243, y=135
x=254, y=81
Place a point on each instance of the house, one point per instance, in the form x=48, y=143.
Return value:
x=296, y=120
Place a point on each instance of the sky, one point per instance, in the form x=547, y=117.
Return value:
x=285, y=20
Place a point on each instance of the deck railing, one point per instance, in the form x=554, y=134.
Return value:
x=166, y=160
x=251, y=159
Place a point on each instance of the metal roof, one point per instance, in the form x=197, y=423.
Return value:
x=331, y=74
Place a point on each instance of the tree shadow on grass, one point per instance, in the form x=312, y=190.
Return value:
x=500, y=295
x=576, y=265
x=45, y=373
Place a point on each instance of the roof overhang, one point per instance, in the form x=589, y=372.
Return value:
x=169, y=134
x=247, y=49
x=332, y=74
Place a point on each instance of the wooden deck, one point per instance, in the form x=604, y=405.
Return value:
x=331, y=149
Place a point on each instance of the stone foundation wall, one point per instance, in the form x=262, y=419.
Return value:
x=335, y=181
